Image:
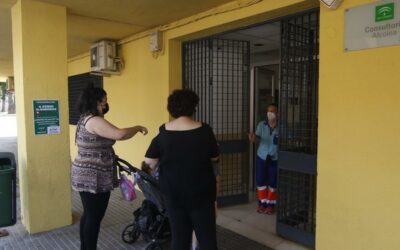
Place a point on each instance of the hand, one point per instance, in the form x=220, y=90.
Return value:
x=252, y=137
x=143, y=130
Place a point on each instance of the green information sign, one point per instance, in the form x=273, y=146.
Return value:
x=46, y=117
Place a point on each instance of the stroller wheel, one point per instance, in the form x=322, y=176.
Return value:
x=154, y=246
x=131, y=233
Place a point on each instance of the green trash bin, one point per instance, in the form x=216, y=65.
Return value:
x=8, y=191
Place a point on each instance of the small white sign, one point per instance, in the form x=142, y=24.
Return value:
x=53, y=130
x=372, y=26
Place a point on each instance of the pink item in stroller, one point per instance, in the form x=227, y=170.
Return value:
x=127, y=188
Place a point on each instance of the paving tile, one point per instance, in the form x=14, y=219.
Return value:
x=265, y=238
x=263, y=222
x=290, y=246
x=119, y=214
x=223, y=220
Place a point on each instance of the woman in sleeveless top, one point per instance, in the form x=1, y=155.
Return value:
x=185, y=150
x=93, y=172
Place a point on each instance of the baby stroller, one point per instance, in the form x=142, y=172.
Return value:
x=150, y=220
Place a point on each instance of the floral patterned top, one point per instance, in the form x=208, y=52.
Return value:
x=93, y=169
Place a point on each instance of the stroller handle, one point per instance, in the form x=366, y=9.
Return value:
x=125, y=166
x=128, y=168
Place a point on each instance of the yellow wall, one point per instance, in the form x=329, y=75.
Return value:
x=358, y=146
x=40, y=70
x=136, y=97
x=139, y=94
x=358, y=117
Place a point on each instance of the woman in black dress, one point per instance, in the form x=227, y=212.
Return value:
x=185, y=150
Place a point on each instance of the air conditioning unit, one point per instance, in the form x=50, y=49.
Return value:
x=103, y=57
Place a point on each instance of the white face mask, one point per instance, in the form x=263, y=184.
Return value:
x=271, y=116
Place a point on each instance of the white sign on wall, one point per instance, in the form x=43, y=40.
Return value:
x=372, y=26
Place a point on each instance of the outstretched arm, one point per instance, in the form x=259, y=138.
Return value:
x=99, y=126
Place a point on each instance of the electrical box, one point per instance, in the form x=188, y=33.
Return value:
x=103, y=56
x=156, y=41
x=331, y=4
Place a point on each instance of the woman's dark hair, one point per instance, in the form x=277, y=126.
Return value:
x=88, y=100
x=182, y=102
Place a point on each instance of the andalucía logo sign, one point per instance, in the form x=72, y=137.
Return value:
x=384, y=12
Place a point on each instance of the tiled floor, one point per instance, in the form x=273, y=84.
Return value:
x=119, y=214
x=244, y=220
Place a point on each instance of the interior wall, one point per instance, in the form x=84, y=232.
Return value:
x=265, y=58
x=266, y=89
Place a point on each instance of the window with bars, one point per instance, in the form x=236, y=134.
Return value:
x=76, y=84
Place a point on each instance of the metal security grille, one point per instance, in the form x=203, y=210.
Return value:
x=298, y=127
x=218, y=71
x=76, y=84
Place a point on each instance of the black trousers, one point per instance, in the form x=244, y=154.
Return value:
x=94, y=208
x=200, y=219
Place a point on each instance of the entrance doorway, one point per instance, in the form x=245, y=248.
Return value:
x=236, y=75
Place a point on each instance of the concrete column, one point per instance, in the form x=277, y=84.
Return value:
x=39, y=32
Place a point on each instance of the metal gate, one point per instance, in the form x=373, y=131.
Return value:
x=218, y=71
x=298, y=128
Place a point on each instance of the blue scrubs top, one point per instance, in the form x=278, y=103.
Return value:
x=268, y=141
